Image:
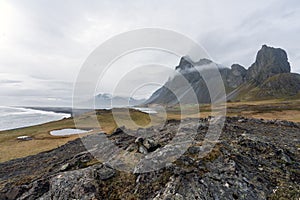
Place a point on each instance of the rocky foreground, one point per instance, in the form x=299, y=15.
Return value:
x=253, y=159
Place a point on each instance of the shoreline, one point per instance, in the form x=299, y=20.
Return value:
x=66, y=110
x=15, y=118
x=69, y=111
x=78, y=111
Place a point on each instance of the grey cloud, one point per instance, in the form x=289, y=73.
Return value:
x=50, y=40
x=9, y=81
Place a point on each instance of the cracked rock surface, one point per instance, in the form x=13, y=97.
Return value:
x=252, y=159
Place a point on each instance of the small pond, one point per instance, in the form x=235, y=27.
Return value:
x=67, y=131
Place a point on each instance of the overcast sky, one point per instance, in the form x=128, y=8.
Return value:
x=44, y=43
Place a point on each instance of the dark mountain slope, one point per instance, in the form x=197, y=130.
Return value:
x=176, y=88
x=279, y=86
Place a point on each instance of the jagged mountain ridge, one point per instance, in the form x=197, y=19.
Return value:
x=172, y=89
x=259, y=82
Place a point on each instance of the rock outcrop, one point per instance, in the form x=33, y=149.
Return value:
x=237, y=75
x=269, y=62
x=252, y=159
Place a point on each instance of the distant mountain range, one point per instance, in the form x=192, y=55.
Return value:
x=107, y=101
x=269, y=77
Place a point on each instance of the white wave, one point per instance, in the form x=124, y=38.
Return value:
x=16, y=117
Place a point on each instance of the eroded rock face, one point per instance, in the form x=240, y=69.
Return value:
x=236, y=77
x=252, y=159
x=269, y=62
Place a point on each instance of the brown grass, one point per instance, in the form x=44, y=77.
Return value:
x=11, y=148
x=42, y=141
x=269, y=109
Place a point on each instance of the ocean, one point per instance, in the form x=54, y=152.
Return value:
x=13, y=117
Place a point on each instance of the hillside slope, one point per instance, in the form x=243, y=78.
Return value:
x=280, y=86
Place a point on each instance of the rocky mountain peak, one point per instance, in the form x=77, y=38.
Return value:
x=235, y=76
x=238, y=70
x=186, y=63
x=203, y=61
x=269, y=61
